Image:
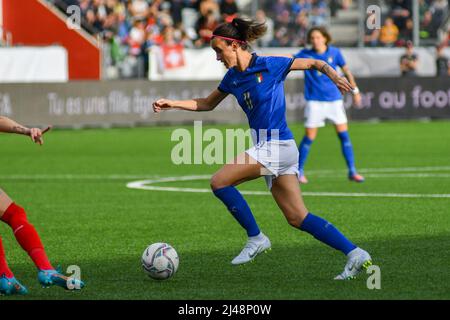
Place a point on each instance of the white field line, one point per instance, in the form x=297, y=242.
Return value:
x=407, y=169
x=143, y=176
x=410, y=172
x=78, y=176
x=390, y=175
x=147, y=185
x=381, y=170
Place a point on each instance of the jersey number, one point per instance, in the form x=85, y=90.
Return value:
x=248, y=100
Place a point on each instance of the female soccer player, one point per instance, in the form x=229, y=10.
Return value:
x=26, y=235
x=258, y=85
x=324, y=100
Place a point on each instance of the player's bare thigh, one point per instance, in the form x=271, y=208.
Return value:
x=5, y=202
x=243, y=168
x=287, y=194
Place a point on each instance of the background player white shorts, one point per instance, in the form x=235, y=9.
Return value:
x=316, y=112
x=279, y=157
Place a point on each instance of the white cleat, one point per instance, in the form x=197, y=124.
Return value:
x=358, y=260
x=255, y=245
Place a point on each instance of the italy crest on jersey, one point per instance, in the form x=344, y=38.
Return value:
x=259, y=77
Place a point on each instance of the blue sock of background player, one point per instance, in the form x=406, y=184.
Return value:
x=347, y=151
x=303, y=150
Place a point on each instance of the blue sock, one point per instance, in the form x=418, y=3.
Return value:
x=303, y=150
x=347, y=151
x=324, y=231
x=239, y=208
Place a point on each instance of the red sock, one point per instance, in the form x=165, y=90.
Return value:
x=4, y=269
x=26, y=236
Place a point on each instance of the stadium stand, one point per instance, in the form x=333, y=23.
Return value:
x=131, y=28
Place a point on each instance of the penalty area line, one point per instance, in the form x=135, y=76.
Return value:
x=148, y=185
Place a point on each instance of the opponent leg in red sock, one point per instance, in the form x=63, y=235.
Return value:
x=26, y=236
x=4, y=269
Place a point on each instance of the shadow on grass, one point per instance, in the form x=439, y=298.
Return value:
x=411, y=268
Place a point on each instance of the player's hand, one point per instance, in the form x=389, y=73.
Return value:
x=343, y=85
x=357, y=100
x=37, y=134
x=162, y=104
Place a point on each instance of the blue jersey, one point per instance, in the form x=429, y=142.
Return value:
x=259, y=91
x=318, y=86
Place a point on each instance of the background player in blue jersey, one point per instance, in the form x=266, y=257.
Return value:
x=258, y=85
x=324, y=100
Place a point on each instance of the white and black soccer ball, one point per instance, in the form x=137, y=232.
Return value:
x=160, y=261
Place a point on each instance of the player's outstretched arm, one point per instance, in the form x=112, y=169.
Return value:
x=201, y=104
x=10, y=126
x=341, y=82
x=349, y=75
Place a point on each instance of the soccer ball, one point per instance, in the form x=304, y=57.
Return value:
x=160, y=261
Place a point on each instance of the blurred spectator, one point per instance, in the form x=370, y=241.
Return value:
x=228, y=10
x=123, y=27
x=346, y=4
x=138, y=8
x=284, y=19
x=205, y=27
x=281, y=38
x=279, y=7
x=176, y=7
x=388, y=33
x=408, y=61
x=334, y=6
x=265, y=40
x=426, y=27
x=401, y=11
x=319, y=13
x=84, y=6
x=137, y=37
x=299, y=6
x=185, y=40
x=439, y=11
x=300, y=30
x=432, y=14
x=208, y=6
x=406, y=34
x=442, y=62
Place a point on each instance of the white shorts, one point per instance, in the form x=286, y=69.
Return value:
x=316, y=112
x=279, y=157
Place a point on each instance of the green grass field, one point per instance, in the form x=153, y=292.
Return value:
x=74, y=190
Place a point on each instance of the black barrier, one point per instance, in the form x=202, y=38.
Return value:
x=403, y=98
x=100, y=103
